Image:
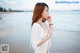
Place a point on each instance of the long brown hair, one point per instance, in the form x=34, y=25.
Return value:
x=38, y=10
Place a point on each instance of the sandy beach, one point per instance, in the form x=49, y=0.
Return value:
x=65, y=42
x=15, y=30
x=62, y=42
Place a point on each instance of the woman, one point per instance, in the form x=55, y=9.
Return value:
x=41, y=32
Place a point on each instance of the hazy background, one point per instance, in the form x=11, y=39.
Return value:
x=29, y=4
x=15, y=25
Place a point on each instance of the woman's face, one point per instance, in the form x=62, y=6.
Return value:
x=45, y=13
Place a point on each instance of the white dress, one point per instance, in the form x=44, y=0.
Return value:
x=37, y=34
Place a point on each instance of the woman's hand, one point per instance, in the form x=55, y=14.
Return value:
x=50, y=22
x=49, y=19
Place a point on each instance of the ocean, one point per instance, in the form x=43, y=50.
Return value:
x=15, y=30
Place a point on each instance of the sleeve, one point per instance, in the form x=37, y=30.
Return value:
x=35, y=39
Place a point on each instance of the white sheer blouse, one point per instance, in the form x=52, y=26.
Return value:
x=37, y=34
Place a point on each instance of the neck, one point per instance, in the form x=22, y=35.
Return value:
x=40, y=20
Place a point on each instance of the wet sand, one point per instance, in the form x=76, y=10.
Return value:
x=16, y=32
x=65, y=42
x=62, y=42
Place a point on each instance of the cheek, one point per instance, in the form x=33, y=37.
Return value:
x=45, y=15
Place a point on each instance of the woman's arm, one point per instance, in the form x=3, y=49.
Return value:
x=51, y=26
x=50, y=23
x=49, y=33
x=46, y=38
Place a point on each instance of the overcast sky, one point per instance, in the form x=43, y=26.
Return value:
x=29, y=4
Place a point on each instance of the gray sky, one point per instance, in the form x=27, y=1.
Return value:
x=29, y=4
